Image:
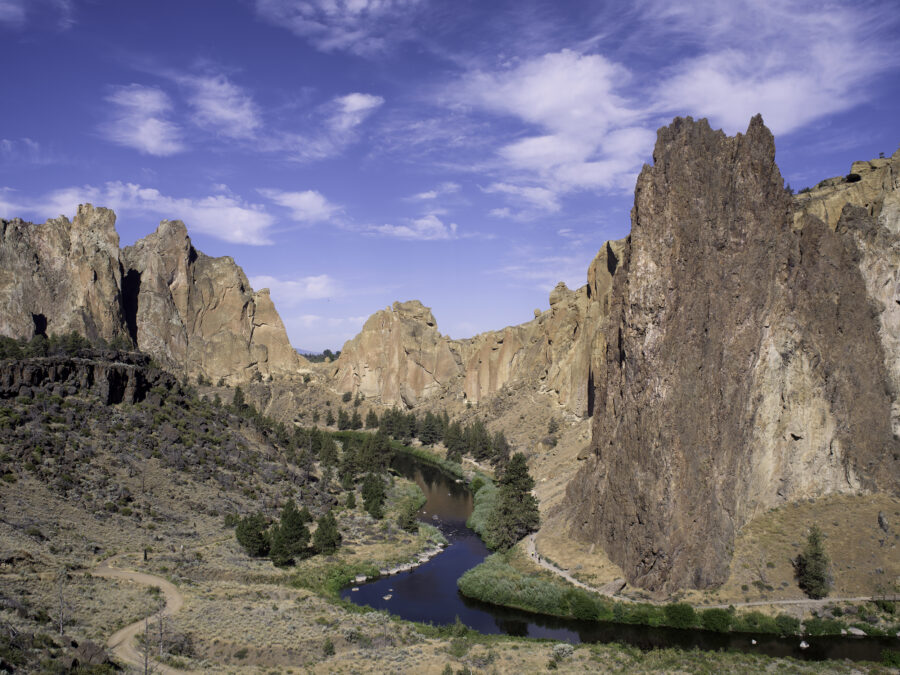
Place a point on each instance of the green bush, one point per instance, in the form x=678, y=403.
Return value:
x=787, y=625
x=755, y=622
x=891, y=658
x=816, y=626
x=680, y=615
x=718, y=620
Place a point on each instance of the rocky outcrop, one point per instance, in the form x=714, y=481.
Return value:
x=400, y=357
x=61, y=276
x=114, y=377
x=194, y=314
x=871, y=185
x=742, y=365
x=199, y=314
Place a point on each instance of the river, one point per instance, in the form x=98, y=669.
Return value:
x=429, y=594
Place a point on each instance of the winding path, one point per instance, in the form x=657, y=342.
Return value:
x=122, y=642
x=805, y=602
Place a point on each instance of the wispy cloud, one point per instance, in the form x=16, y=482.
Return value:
x=427, y=228
x=12, y=12
x=16, y=13
x=222, y=216
x=220, y=106
x=362, y=27
x=446, y=188
x=334, y=127
x=795, y=62
x=141, y=120
x=291, y=292
x=25, y=151
x=537, y=200
x=307, y=206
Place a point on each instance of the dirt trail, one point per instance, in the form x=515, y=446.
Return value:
x=122, y=642
x=805, y=602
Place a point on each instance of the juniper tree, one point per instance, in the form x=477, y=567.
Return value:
x=812, y=565
x=327, y=538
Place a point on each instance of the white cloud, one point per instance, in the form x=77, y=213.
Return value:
x=335, y=127
x=221, y=106
x=12, y=12
x=24, y=151
x=361, y=27
x=446, y=188
x=585, y=134
x=426, y=228
x=537, y=197
x=352, y=110
x=795, y=62
x=290, y=292
x=140, y=121
x=222, y=216
x=308, y=206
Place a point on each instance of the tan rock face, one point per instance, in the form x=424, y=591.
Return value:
x=199, y=314
x=61, y=276
x=730, y=375
x=193, y=314
x=401, y=358
x=868, y=184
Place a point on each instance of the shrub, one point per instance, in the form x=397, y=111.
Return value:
x=755, y=622
x=817, y=626
x=787, y=625
x=718, y=620
x=328, y=647
x=252, y=536
x=680, y=615
x=346, y=397
x=891, y=658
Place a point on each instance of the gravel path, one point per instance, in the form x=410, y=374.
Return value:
x=122, y=643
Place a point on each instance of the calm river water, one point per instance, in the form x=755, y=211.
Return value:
x=429, y=594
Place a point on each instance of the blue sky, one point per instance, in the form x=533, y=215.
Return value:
x=349, y=153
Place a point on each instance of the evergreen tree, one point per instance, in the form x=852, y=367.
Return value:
x=430, y=429
x=293, y=529
x=351, y=499
x=373, y=494
x=812, y=565
x=349, y=468
x=329, y=419
x=371, y=419
x=251, y=534
x=501, y=449
x=356, y=421
x=328, y=453
x=238, y=402
x=453, y=439
x=279, y=551
x=516, y=510
x=343, y=420
x=327, y=538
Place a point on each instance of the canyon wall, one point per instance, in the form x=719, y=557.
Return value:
x=194, y=314
x=400, y=357
x=747, y=361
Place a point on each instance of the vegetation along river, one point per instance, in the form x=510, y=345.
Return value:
x=429, y=594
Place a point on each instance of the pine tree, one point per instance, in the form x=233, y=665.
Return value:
x=328, y=453
x=343, y=420
x=371, y=419
x=373, y=494
x=252, y=536
x=293, y=529
x=279, y=551
x=516, y=511
x=238, y=401
x=327, y=538
x=329, y=419
x=812, y=565
x=500, y=448
x=356, y=421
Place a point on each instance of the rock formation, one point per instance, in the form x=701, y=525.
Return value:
x=199, y=313
x=744, y=362
x=61, y=276
x=114, y=377
x=194, y=314
x=400, y=357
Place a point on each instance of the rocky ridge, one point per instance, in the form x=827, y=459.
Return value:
x=196, y=315
x=400, y=357
x=748, y=359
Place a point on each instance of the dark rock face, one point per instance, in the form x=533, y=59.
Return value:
x=743, y=365
x=114, y=377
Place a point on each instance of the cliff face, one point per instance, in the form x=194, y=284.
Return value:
x=743, y=365
x=199, y=313
x=194, y=314
x=400, y=358
x=61, y=276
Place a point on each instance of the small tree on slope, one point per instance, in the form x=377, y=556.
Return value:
x=812, y=565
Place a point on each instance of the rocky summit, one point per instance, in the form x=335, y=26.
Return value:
x=749, y=356
x=194, y=314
